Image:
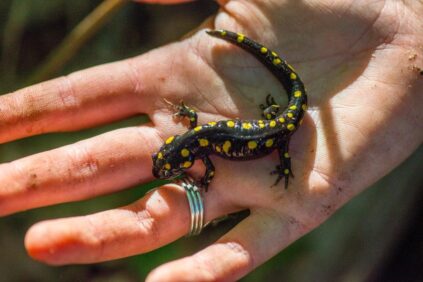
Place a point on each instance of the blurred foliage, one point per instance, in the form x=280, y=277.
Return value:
x=356, y=244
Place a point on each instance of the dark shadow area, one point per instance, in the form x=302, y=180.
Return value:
x=405, y=260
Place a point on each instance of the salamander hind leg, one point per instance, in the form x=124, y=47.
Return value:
x=208, y=176
x=283, y=170
x=183, y=110
x=271, y=109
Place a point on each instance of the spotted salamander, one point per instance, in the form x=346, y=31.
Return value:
x=237, y=139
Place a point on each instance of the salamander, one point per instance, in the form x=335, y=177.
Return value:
x=236, y=139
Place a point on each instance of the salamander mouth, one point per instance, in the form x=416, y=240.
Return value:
x=156, y=173
x=166, y=174
x=161, y=174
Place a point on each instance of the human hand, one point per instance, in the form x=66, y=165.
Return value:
x=364, y=108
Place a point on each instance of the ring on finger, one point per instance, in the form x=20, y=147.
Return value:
x=196, y=206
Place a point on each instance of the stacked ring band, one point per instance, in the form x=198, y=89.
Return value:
x=195, y=205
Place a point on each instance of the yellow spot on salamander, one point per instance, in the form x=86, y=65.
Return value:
x=274, y=54
x=252, y=145
x=263, y=50
x=187, y=164
x=277, y=61
x=203, y=142
x=226, y=146
x=167, y=166
x=293, y=76
x=160, y=155
x=269, y=143
x=290, y=127
x=261, y=123
x=304, y=107
x=272, y=123
x=286, y=171
x=192, y=119
x=289, y=66
x=218, y=149
x=211, y=173
x=290, y=115
x=198, y=128
x=268, y=116
x=286, y=155
x=297, y=94
x=293, y=107
x=247, y=125
x=184, y=152
x=170, y=139
x=230, y=123
x=240, y=37
x=223, y=32
x=281, y=120
x=212, y=123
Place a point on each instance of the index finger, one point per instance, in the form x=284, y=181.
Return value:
x=82, y=99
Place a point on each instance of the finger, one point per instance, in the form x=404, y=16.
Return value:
x=79, y=100
x=249, y=244
x=159, y=218
x=103, y=164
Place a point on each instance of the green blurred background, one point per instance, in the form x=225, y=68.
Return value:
x=376, y=237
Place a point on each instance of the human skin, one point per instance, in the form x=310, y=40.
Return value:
x=359, y=61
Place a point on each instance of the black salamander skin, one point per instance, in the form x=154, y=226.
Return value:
x=238, y=139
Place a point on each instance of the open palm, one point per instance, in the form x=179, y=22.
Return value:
x=358, y=61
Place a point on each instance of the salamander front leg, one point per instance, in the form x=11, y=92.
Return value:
x=283, y=170
x=271, y=109
x=208, y=176
x=183, y=110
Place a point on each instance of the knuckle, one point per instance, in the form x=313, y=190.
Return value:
x=67, y=93
x=83, y=166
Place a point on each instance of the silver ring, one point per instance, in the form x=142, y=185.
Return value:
x=195, y=205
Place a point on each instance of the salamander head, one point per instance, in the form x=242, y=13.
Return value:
x=171, y=161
